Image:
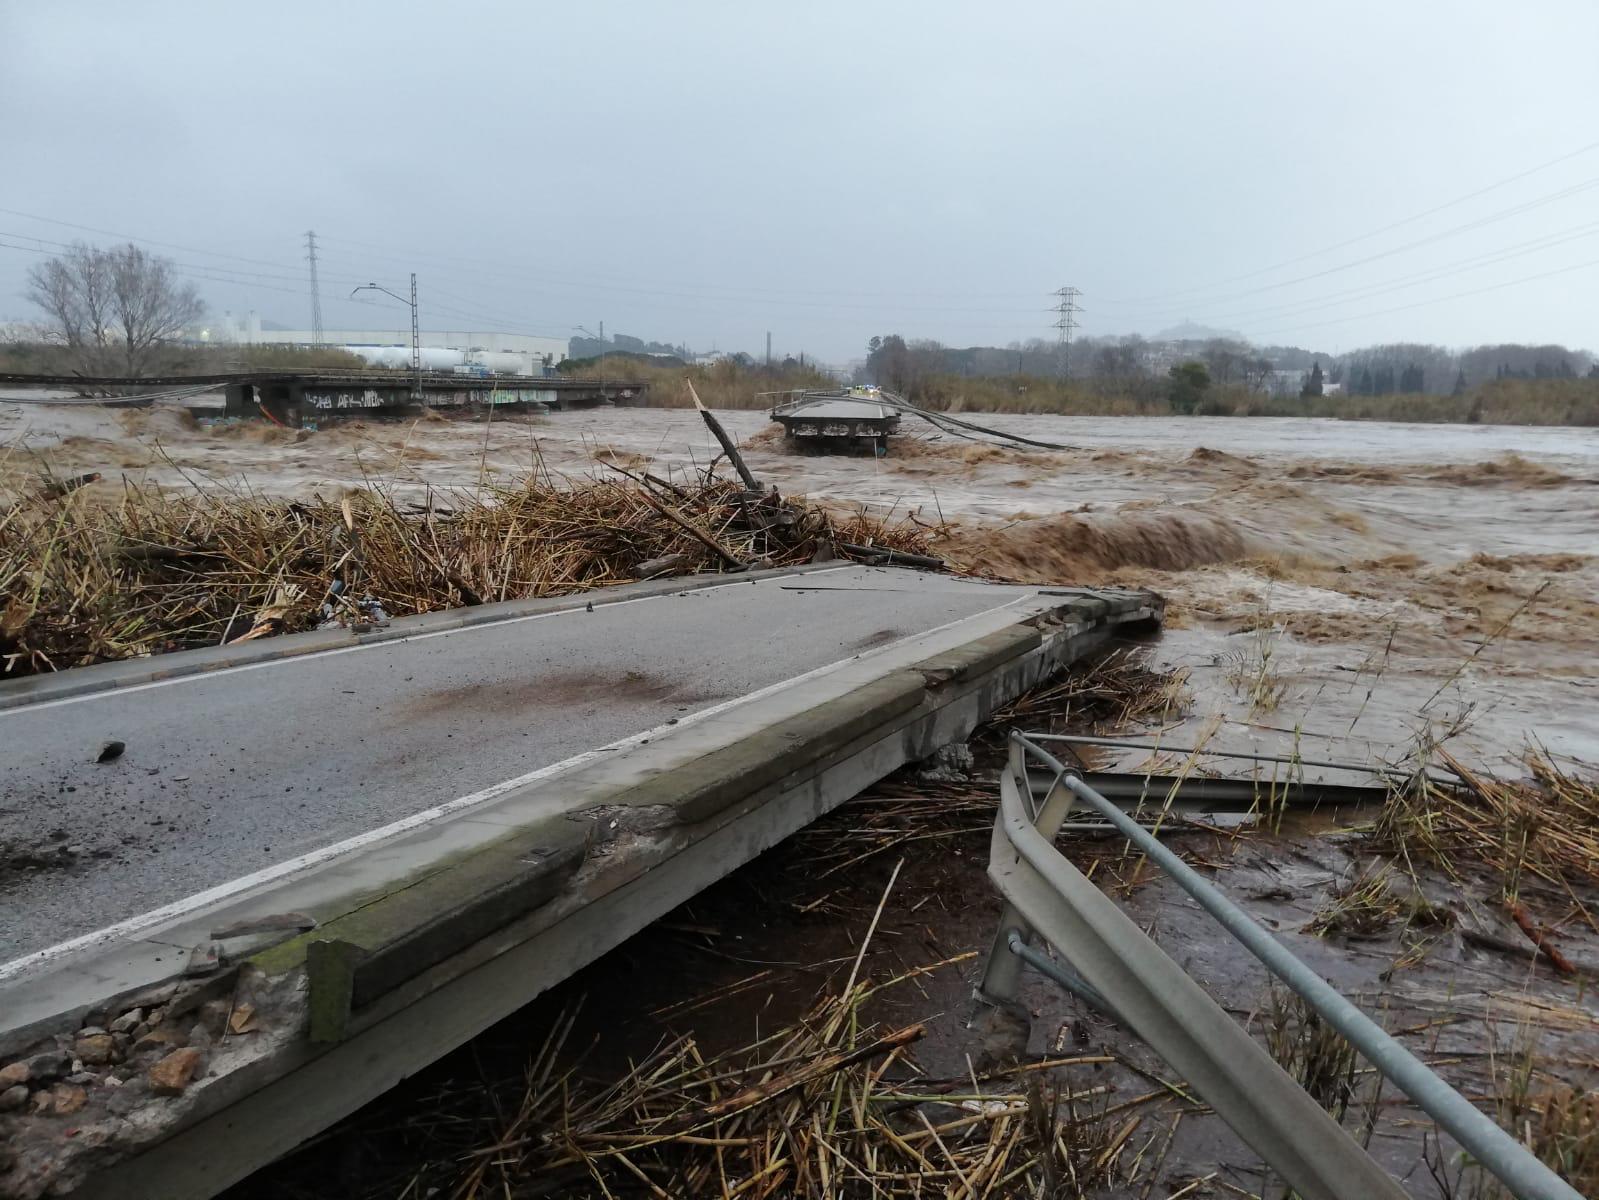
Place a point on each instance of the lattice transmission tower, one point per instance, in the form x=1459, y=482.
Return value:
x=1066, y=310
x=316, y=291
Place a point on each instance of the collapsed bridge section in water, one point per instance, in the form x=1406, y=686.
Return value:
x=366, y=848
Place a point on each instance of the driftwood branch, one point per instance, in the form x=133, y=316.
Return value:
x=731, y=450
x=695, y=532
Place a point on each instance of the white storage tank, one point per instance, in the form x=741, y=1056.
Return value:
x=399, y=357
x=501, y=362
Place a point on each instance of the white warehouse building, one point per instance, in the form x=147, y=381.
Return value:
x=443, y=350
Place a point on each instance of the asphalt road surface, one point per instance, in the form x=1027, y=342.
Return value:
x=228, y=772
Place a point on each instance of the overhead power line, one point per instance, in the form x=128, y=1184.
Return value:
x=178, y=270
x=1413, y=279
x=191, y=270
x=1593, y=262
x=500, y=265
x=1491, y=218
x=146, y=241
x=1378, y=232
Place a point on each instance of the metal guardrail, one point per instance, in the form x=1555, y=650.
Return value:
x=1119, y=969
x=799, y=397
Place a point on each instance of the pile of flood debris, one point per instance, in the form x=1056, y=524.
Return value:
x=832, y=1105
x=83, y=580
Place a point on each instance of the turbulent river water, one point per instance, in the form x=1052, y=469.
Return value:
x=1342, y=587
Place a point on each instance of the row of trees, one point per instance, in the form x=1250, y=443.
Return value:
x=1133, y=363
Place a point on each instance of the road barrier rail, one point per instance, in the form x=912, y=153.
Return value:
x=1114, y=966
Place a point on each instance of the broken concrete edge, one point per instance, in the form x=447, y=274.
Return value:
x=109, y=676
x=259, y=1099
x=186, y=994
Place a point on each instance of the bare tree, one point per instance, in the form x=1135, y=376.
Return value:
x=74, y=290
x=1227, y=359
x=123, y=302
x=1256, y=372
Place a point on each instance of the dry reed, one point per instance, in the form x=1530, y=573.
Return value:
x=830, y=1108
x=911, y=812
x=85, y=580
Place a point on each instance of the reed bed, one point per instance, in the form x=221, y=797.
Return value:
x=87, y=579
x=830, y=1107
x=901, y=813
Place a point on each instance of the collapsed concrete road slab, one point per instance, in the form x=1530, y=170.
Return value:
x=387, y=842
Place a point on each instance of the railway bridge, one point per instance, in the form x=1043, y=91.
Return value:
x=292, y=397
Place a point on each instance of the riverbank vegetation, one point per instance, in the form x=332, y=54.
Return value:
x=1501, y=401
x=35, y=357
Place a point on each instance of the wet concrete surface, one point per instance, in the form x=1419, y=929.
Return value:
x=228, y=772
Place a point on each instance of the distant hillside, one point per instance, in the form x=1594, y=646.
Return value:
x=1188, y=331
x=621, y=343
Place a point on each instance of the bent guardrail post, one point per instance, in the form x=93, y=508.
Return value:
x=1002, y=974
x=1165, y=1007
x=1159, y=1002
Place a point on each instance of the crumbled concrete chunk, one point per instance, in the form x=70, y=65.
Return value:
x=161, y=1039
x=52, y=1064
x=172, y=1074
x=97, y=1049
x=69, y=1098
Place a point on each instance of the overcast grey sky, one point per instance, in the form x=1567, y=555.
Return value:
x=704, y=172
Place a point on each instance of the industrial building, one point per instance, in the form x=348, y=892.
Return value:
x=444, y=350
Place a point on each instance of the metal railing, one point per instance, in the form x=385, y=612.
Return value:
x=1117, y=968
x=800, y=397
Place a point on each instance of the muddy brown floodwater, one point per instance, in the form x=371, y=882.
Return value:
x=1341, y=585
x=1336, y=590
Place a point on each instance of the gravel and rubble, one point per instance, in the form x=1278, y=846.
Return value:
x=73, y=1101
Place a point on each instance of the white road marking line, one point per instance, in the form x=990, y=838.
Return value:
x=180, y=908
x=311, y=655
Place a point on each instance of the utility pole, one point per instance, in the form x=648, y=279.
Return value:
x=316, y=292
x=416, y=331
x=1066, y=310
x=416, y=345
